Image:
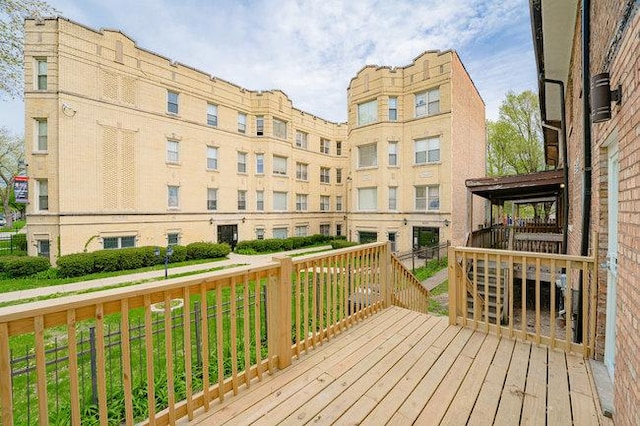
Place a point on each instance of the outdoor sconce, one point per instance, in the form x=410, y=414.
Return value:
x=68, y=110
x=602, y=96
x=211, y=221
x=405, y=221
x=244, y=219
x=344, y=217
x=446, y=222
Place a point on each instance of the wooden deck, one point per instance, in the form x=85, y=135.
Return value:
x=403, y=367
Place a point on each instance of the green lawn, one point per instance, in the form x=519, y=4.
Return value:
x=436, y=307
x=17, y=224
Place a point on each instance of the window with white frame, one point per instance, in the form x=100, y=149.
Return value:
x=325, y=229
x=173, y=151
x=279, y=165
x=367, y=112
x=212, y=115
x=212, y=199
x=118, y=242
x=301, y=202
x=242, y=162
x=393, y=108
x=393, y=153
x=44, y=248
x=427, y=198
x=242, y=200
x=427, y=150
x=338, y=229
x=339, y=203
x=242, y=122
x=325, y=203
x=393, y=240
x=338, y=175
x=280, y=233
x=428, y=102
x=260, y=201
x=173, y=239
x=301, y=139
x=279, y=201
x=41, y=73
x=259, y=164
x=212, y=158
x=325, y=146
x=279, y=129
x=302, y=230
x=259, y=233
x=173, y=196
x=367, y=199
x=325, y=175
x=302, y=171
x=42, y=186
x=259, y=125
x=393, y=198
x=172, y=102
x=42, y=134
x=368, y=155
x=338, y=148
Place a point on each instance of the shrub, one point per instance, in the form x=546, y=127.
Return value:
x=75, y=265
x=338, y=244
x=279, y=244
x=20, y=266
x=203, y=250
x=19, y=242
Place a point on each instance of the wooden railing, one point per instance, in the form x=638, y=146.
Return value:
x=277, y=311
x=539, y=238
x=531, y=294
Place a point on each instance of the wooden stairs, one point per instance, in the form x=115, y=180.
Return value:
x=483, y=275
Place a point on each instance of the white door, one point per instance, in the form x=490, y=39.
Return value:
x=612, y=261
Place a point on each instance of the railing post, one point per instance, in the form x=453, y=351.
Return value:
x=453, y=284
x=387, y=275
x=279, y=311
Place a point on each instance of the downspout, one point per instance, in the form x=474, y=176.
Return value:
x=565, y=165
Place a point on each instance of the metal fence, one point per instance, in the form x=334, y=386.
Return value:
x=10, y=243
x=419, y=256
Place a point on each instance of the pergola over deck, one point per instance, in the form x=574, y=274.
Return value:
x=532, y=188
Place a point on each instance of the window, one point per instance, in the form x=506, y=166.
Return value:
x=280, y=233
x=325, y=145
x=242, y=122
x=279, y=129
x=427, y=150
x=42, y=138
x=325, y=229
x=212, y=115
x=368, y=155
x=393, y=109
x=427, y=197
x=173, y=152
x=279, y=165
x=302, y=171
x=393, y=198
x=302, y=230
x=367, y=198
x=367, y=112
x=242, y=200
x=393, y=153
x=259, y=164
x=43, y=194
x=260, y=234
x=325, y=175
x=172, y=102
x=338, y=175
x=242, y=162
x=260, y=201
x=118, y=242
x=301, y=139
x=259, y=125
x=41, y=73
x=173, y=239
x=428, y=103
x=212, y=199
x=44, y=248
x=393, y=241
x=173, y=196
x=325, y=204
x=339, y=203
x=338, y=229
x=212, y=158
x=338, y=148
x=280, y=201
x=301, y=202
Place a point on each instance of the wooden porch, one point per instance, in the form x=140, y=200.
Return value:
x=405, y=367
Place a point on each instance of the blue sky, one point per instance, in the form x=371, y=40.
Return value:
x=311, y=49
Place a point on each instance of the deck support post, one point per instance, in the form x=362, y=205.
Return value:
x=453, y=304
x=279, y=311
x=386, y=276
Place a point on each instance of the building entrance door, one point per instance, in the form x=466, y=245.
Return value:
x=612, y=261
x=228, y=234
x=425, y=237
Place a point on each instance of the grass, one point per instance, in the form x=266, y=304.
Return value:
x=436, y=307
x=17, y=225
x=430, y=269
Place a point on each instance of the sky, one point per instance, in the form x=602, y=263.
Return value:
x=310, y=49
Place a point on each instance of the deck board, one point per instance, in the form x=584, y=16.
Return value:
x=401, y=367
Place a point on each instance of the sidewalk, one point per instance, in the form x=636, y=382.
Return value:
x=232, y=259
x=434, y=281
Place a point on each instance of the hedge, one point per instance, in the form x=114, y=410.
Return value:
x=202, y=250
x=338, y=244
x=19, y=242
x=280, y=244
x=22, y=266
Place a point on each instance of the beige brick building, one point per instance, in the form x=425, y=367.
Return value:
x=128, y=148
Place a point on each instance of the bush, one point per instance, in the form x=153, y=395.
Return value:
x=20, y=266
x=279, y=244
x=338, y=244
x=75, y=265
x=19, y=242
x=202, y=250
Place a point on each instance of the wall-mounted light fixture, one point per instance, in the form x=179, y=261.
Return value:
x=602, y=96
x=405, y=221
x=446, y=222
x=244, y=219
x=211, y=221
x=68, y=110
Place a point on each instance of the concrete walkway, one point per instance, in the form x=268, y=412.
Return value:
x=232, y=259
x=437, y=279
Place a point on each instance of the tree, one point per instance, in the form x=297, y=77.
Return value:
x=12, y=16
x=515, y=139
x=11, y=155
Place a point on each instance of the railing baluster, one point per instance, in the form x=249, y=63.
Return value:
x=299, y=273
x=257, y=324
x=486, y=292
x=585, y=308
x=538, y=325
x=246, y=318
x=234, y=337
x=219, y=342
x=148, y=338
x=126, y=361
x=6, y=393
x=552, y=317
x=499, y=306
x=321, y=297
x=41, y=371
x=523, y=299
x=102, y=380
x=568, y=309
x=168, y=341
x=314, y=313
x=204, y=326
x=186, y=320
x=72, y=343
